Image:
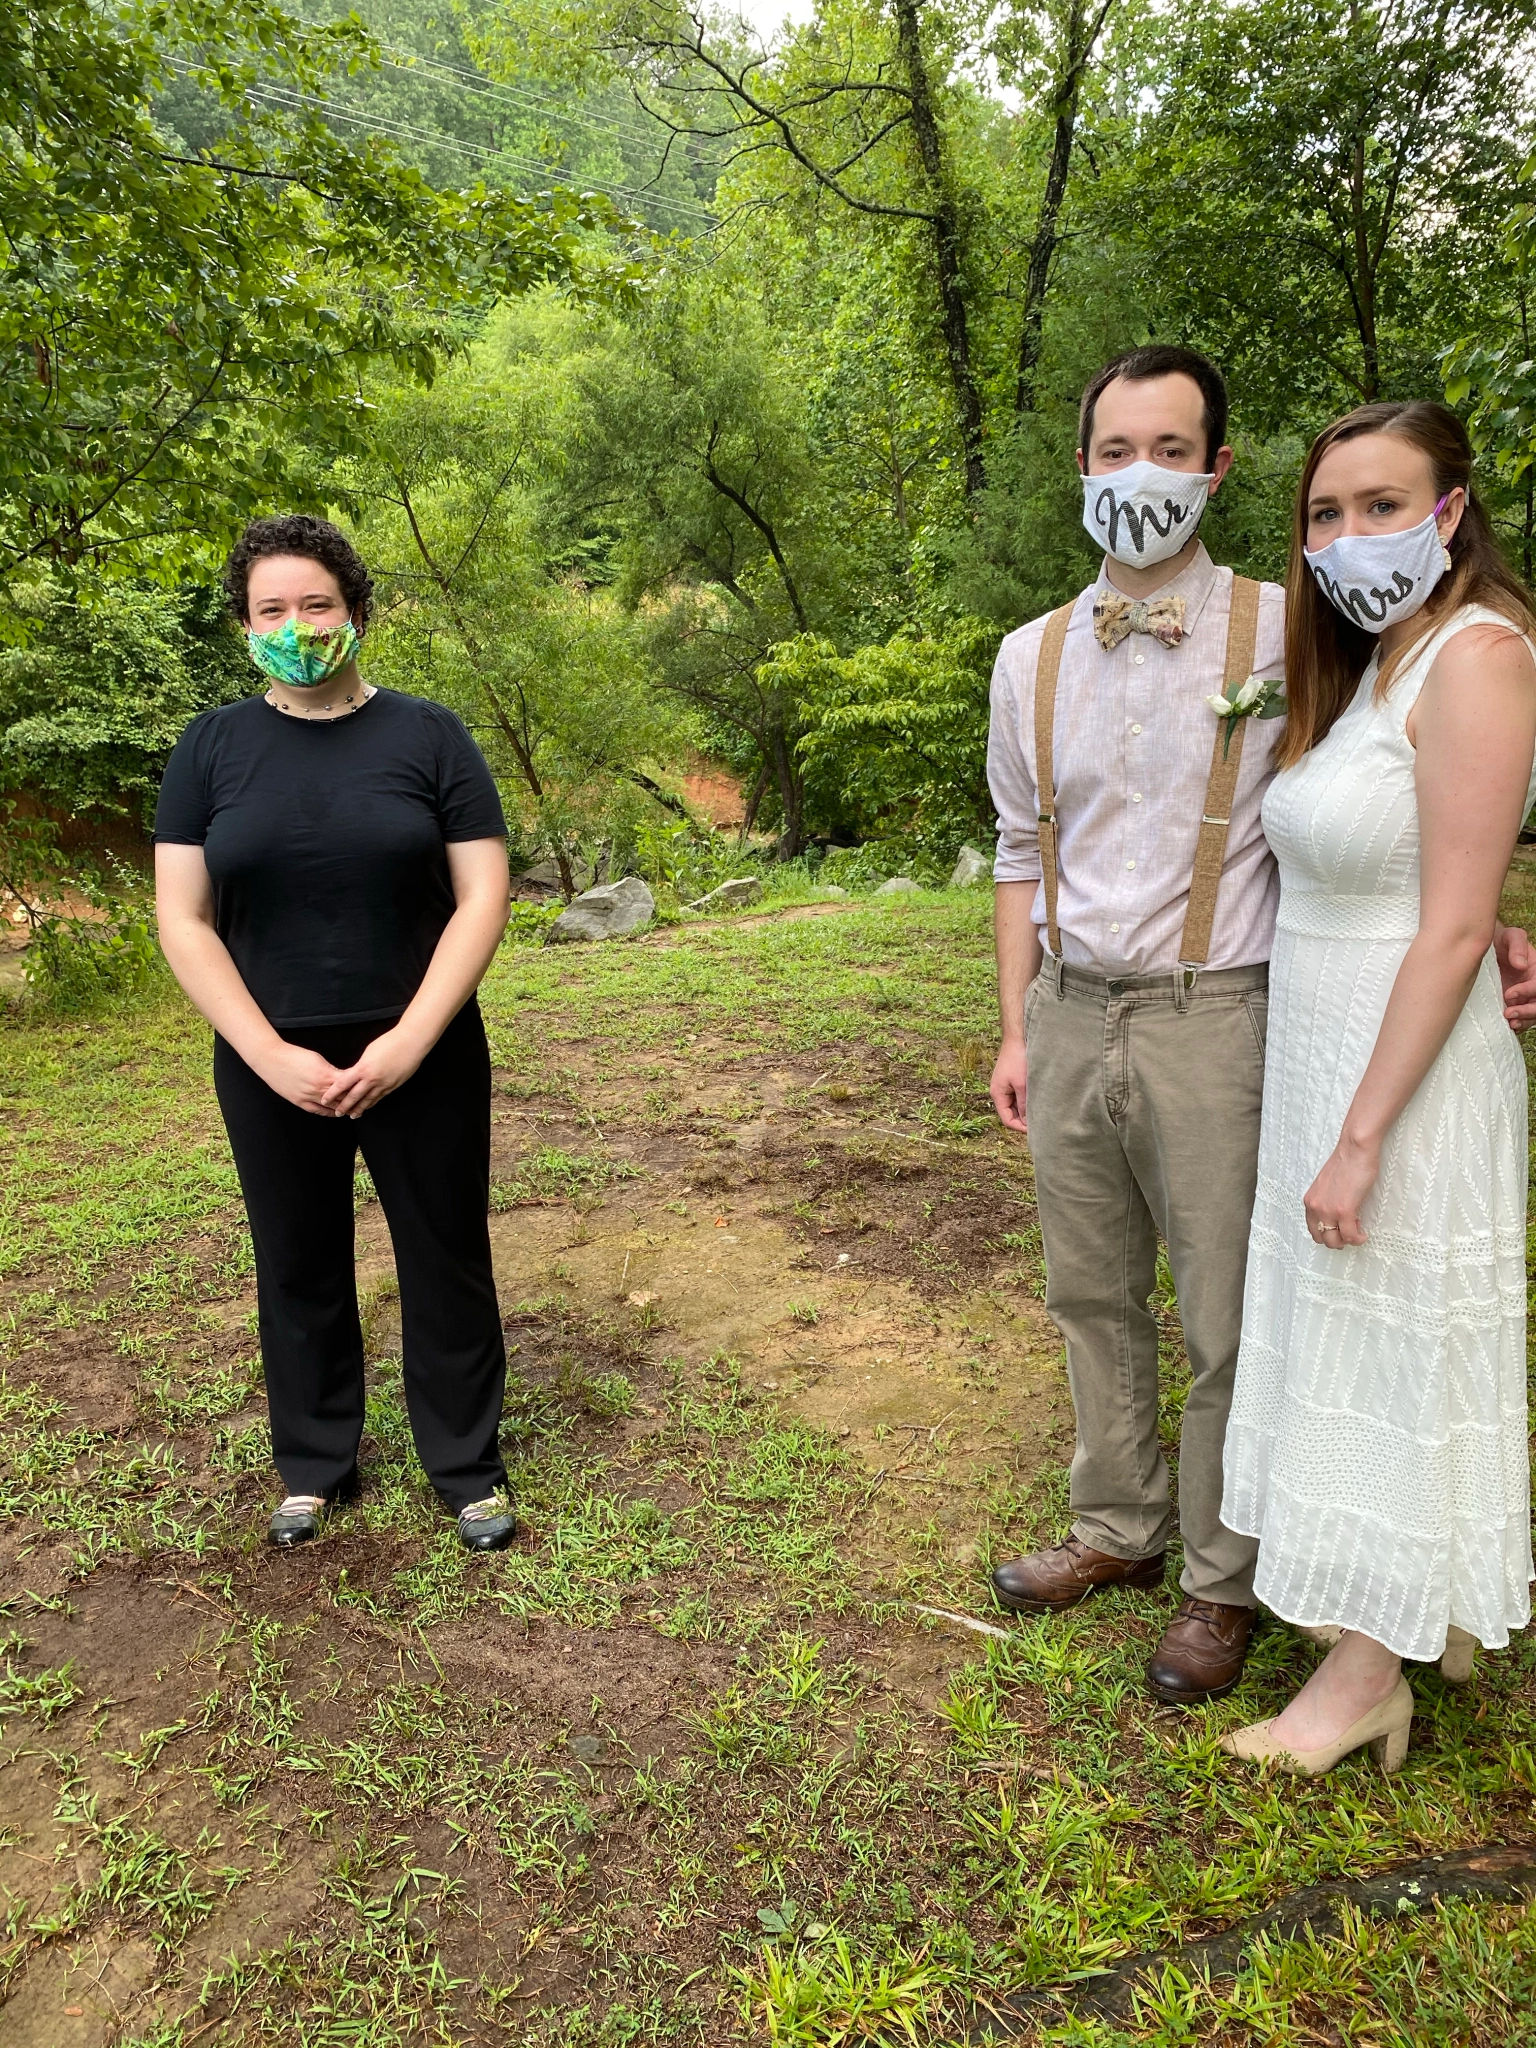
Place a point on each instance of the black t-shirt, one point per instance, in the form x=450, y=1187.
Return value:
x=325, y=845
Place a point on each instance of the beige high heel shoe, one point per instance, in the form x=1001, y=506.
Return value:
x=1384, y=1729
x=1456, y=1662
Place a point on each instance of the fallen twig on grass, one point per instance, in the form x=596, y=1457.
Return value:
x=982, y=1628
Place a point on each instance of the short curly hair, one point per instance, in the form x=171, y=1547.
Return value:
x=298, y=533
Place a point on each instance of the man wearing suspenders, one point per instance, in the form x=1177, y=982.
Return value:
x=1135, y=909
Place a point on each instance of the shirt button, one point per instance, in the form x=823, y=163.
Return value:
x=1138, y=659
x=1114, y=927
x=1135, y=728
x=1130, y=863
x=1136, y=799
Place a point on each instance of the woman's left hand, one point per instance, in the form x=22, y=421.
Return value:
x=384, y=1065
x=1335, y=1199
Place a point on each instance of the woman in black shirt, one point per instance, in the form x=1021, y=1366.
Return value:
x=331, y=870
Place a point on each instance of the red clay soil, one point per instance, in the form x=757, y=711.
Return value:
x=712, y=792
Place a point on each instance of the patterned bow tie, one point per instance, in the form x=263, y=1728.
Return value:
x=1115, y=616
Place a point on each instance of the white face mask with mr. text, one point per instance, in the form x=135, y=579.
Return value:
x=1375, y=579
x=1143, y=513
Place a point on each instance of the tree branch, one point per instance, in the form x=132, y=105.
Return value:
x=750, y=511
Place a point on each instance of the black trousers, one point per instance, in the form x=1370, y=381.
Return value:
x=428, y=1148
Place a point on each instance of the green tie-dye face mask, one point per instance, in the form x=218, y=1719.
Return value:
x=300, y=655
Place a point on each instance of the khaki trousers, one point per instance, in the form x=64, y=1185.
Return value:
x=1144, y=1118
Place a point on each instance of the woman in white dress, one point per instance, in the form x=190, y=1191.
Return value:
x=1377, y=1445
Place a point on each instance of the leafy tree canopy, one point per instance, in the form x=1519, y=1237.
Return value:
x=1318, y=190
x=185, y=320
x=490, y=608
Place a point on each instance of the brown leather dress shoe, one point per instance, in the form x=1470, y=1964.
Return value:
x=1066, y=1573
x=1201, y=1654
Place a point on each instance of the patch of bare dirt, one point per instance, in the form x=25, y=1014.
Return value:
x=714, y=793
x=788, y=1214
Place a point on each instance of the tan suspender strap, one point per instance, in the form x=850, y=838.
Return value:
x=1046, y=673
x=1211, y=848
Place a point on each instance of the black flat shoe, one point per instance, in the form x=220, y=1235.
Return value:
x=487, y=1524
x=297, y=1520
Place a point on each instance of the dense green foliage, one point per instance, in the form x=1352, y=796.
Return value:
x=94, y=697
x=487, y=607
x=188, y=309
x=763, y=472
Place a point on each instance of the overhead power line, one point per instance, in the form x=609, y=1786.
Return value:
x=482, y=153
x=463, y=81
x=525, y=98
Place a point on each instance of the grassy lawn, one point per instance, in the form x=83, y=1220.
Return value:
x=690, y=1764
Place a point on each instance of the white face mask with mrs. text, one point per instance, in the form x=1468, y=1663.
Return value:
x=1376, y=579
x=1142, y=514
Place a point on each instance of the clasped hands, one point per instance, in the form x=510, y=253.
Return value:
x=1335, y=1199
x=309, y=1081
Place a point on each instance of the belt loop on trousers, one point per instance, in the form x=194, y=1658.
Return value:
x=1058, y=976
x=1184, y=979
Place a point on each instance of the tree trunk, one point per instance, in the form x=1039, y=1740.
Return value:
x=754, y=802
x=521, y=752
x=744, y=505
x=1081, y=36
x=790, y=777
x=948, y=246
x=1365, y=280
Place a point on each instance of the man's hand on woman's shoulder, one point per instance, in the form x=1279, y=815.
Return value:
x=1517, y=975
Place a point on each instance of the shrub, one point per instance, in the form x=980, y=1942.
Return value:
x=78, y=961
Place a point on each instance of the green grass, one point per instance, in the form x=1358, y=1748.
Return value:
x=797, y=1852
x=875, y=974
x=551, y=1175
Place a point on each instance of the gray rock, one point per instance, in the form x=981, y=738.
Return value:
x=972, y=867
x=609, y=911
x=898, y=885
x=833, y=890
x=543, y=879
x=745, y=889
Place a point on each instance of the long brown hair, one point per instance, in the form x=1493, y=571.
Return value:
x=1325, y=653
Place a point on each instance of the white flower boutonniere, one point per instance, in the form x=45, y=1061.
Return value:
x=1253, y=699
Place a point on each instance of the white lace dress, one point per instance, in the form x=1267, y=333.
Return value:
x=1377, y=1446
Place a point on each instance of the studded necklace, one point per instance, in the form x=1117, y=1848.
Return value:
x=352, y=703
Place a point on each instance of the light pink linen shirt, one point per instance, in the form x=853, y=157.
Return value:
x=1133, y=740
